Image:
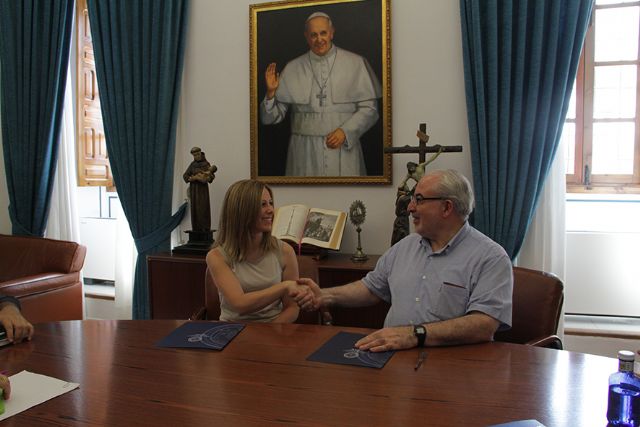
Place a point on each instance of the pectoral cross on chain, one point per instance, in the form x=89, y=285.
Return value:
x=321, y=96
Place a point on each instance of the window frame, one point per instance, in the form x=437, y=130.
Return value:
x=577, y=181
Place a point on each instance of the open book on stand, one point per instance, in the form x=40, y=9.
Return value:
x=309, y=226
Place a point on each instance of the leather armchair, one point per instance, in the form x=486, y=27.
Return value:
x=44, y=274
x=537, y=305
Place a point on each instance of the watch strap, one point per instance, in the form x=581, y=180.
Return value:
x=421, y=334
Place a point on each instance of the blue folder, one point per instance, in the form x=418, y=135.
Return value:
x=210, y=335
x=340, y=349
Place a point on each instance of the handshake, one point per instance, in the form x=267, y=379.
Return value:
x=306, y=293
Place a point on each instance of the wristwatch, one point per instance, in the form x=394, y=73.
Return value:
x=420, y=332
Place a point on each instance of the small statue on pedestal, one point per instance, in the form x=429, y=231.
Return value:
x=401, y=223
x=199, y=175
x=357, y=214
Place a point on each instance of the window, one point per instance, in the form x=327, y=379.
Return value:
x=93, y=161
x=601, y=131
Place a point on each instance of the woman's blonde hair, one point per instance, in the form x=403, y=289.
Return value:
x=240, y=210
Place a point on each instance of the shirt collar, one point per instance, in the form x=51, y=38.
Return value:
x=326, y=57
x=455, y=240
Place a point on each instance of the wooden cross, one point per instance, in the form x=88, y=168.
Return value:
x=422, y=148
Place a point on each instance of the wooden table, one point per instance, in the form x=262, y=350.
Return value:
x=262, y=378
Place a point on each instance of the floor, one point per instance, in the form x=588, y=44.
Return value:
x=99, y=302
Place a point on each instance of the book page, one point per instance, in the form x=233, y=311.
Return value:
x=324, y=228
x=289, y=221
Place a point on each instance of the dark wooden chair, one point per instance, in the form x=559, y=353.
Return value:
x=211, y=309
x=537, y=305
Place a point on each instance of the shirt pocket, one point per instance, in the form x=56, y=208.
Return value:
x=453, y=299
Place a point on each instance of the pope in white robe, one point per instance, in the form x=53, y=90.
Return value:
x=332, y=94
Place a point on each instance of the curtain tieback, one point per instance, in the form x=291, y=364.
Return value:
x=153, y=239
x=16, y=227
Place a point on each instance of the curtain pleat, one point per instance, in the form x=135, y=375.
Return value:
x=34, y=52
x=139, y=50
x=520, y=61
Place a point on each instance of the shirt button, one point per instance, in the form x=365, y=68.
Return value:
x=424, y=277
x=417, y=299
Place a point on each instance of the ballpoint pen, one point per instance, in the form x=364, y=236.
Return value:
x=421, y=357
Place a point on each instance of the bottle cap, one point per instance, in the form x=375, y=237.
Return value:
x=626, y=355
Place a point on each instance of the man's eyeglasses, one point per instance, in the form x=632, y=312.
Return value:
x=419, y=198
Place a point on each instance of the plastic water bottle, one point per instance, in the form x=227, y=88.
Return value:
x=624, y=393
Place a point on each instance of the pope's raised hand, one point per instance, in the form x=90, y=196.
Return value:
x=271, y=79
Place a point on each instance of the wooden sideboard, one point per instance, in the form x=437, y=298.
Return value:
x=338, y=269
x=176, y=285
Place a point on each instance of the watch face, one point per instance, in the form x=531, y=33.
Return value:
x=420, y=330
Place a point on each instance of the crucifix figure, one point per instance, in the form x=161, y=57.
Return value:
x=415, y=171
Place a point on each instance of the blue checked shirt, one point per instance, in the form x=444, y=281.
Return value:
x=471, y=273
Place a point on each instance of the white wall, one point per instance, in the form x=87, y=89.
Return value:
x=602, y=274
x=99, y=234
x=602, y=269
x=427, y=86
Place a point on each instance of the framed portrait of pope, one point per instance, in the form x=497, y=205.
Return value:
x=320, y=87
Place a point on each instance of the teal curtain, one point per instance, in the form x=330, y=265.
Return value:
x=520, y=61
x=34, y=53
x=139, y=50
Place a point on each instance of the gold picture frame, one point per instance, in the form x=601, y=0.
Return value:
x=277, y=35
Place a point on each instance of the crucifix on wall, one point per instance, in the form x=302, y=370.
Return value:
x=415, y=171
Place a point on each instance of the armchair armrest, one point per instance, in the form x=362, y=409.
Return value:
x=551, y=341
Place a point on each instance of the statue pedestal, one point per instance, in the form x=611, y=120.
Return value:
x=200, y=242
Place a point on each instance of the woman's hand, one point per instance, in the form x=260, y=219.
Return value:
x=5, y=385
x=295, y=290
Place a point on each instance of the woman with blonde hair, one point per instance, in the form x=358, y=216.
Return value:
x=255, y=273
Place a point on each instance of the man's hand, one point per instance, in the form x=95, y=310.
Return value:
x=17, y=327
x=272, y=80
x=311, y=300
x=397, y=338
x=336, y=138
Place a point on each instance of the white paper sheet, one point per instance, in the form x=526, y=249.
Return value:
x=29, y=389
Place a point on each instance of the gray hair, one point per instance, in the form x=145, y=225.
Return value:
x=457, y=188
x=317, y=15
